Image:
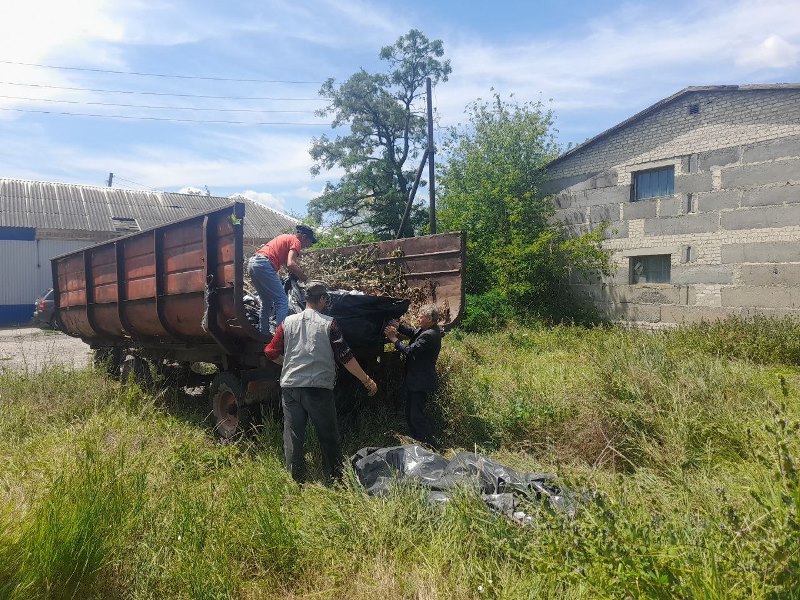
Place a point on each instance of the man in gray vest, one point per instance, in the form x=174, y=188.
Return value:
x=309, y=345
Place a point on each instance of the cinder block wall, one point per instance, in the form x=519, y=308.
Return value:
x=732, y=227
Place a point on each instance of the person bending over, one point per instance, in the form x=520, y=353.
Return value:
x=263, y=267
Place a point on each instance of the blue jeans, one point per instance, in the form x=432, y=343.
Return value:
x=270, y=291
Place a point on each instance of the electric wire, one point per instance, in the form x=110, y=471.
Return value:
x=83, y=89
x=166, y=119
x=88, y=103
x=117, y=177
x=164, y=75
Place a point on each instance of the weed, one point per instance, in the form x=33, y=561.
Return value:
x=109, y=491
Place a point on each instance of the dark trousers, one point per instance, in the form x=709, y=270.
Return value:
x=418, y=425
x=299, y=405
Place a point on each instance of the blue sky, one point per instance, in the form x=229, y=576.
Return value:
x=594, y=63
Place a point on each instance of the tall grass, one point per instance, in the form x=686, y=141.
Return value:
x=684, y=458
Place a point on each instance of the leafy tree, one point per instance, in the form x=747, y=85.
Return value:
x=387, y=134
x=492, y=189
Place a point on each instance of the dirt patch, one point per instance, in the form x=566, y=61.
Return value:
x=33, y=349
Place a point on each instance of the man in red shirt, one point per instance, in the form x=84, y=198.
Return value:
x=263, y=267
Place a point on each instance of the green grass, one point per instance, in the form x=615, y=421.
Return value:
x=682, y=446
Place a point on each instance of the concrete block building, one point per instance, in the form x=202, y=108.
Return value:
x=39, y=220
x=700, y=194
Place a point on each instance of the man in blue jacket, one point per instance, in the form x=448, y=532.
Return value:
x=421, y=354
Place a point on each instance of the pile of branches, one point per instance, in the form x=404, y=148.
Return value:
x=361, y=271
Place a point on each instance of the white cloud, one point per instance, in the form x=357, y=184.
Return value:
x=307, y=193
x=367, y=19
x=773, y=53
x=265, y=198
x=192, y=190
x=37, y=30
x=633, y=56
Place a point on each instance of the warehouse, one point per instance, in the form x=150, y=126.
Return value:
x=700, y=198
x=39, y=220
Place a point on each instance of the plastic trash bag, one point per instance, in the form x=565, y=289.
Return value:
x=502, y=488
x=361, y=317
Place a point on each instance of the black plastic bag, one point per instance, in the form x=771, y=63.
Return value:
x=501, y=487
x=361, y=317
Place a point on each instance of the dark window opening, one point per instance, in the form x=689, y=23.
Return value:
x=653, y=183
x=125, y=224
x=650, y=269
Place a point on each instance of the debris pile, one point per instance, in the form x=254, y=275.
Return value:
x=362, y=271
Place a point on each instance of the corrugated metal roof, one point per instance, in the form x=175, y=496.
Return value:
x=47, y=205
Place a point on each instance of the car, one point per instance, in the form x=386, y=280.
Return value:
x=44, y=313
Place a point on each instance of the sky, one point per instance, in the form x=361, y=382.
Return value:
x=179, y=94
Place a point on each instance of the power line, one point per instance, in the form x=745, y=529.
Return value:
x=172, y=120
x=164, y=75
x=82, y=89
x=244, y=110
x=134, y=183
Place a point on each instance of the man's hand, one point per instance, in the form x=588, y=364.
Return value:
x=390, y=331
x=394, y=323
x=371, y=386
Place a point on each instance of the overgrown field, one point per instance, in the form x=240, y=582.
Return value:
x=683, y=446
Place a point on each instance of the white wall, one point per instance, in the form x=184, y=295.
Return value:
x=25, y=270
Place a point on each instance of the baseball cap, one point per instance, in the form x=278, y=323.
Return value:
x=307, y=231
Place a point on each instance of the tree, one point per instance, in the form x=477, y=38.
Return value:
x=387, y=135
x=491, y=187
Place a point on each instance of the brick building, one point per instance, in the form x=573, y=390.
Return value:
x=701, y=196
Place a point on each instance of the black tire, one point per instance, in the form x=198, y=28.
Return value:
x=231, y=417
x=138, y=369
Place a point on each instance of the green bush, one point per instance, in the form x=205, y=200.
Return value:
x=486, y=312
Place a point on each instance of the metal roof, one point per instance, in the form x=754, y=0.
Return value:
x=46, y=205
x=662, y=103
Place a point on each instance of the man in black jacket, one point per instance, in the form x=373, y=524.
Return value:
x=421, y=353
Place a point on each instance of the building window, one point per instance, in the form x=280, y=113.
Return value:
x=650, y=269
x=654, y=182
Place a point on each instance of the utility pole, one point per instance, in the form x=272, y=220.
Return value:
x=431, y=186
x=110, y=179
x=411, y=195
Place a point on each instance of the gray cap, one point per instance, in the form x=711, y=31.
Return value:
x=314, y=287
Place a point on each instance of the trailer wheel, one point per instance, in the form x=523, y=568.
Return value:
x=138, y=369
x=231, y=416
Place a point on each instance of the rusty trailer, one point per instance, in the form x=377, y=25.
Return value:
x=171, y=296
